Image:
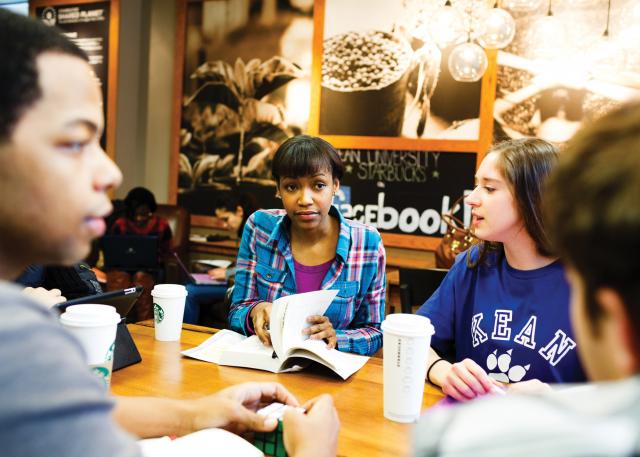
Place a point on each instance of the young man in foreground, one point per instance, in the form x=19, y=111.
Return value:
x=54, y=179
x=593, y=215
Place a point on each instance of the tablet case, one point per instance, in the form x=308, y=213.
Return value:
x=125, y=353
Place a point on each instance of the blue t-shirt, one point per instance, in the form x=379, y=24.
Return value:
x=513, y=323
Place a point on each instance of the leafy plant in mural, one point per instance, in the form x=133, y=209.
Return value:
x=232, y=127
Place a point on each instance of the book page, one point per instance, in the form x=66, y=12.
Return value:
x=251, y=353
x=199, y=444
x=289, y=317
x=343, y=363
x=212, y=348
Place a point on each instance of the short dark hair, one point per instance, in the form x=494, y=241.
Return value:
x=230, y=202
x=593, y=212
x=305, y=155
x=137, y=197
x=525, y=164
x=22, y=40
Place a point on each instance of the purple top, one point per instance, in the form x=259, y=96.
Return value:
x=308, y=278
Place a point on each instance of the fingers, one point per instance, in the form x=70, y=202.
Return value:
x=274, y=391
x=284, y=396
x=456, y=388
x=251, y=394
x=322, y=330
x=466, y=380
x=310, y=404
x=320, y=424
x=260, y=316
x=242, y=419
x=480, y=376
x=262, y=333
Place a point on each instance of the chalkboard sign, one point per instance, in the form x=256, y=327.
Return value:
x=404, y=192
x=89, y=24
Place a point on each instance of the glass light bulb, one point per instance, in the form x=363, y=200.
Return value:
x=467, y=62
x=522, y=6
x=546, y=37
x=446, y=27
x=499, y=29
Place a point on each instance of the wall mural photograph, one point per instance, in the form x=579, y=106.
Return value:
x=245, y=90
x=570, y=61
x=385, y=73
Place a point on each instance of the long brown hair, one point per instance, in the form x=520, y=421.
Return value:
x=525, y=164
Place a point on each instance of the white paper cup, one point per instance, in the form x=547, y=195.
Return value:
x=95, y=327
x=168, y=310
x=406, y=341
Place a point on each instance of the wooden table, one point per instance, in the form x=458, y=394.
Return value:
x=364, y=430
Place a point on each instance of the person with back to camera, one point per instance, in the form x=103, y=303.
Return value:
x=309, y=246
x=140, y=220
x=233, y=210
x=501, y=314
x=59, y=179
x=593, y=218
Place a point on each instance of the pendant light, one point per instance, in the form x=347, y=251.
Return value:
x=546, y=36
x=499, y=29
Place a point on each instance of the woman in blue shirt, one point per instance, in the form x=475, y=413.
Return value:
x=310, y=246
x=501, y=313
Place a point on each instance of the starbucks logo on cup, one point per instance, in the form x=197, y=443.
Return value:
x=109, y=355
x=103, y=373
x=158, y=313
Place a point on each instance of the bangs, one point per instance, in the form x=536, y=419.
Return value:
x=305, y=156
x=303, y=163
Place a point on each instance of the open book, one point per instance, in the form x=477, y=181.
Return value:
x=292, y=350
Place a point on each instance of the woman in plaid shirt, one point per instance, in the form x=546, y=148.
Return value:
x=310, y=246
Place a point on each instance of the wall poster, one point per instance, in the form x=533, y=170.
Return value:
x=93, y=26
x=563, y=69
x=253, y=76
x=410, y=135
x=243, y=90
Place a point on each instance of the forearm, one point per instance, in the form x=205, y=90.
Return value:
x=148, y=417
x=436, y=375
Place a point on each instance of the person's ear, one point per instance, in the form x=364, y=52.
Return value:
x=336, y=186
x=239, y=211
x=622, y=331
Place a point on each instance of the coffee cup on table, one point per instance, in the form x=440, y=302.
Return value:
x=168, y=310
x=94, y=326
x=406, y=341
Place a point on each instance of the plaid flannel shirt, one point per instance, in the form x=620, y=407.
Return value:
x=265, y=272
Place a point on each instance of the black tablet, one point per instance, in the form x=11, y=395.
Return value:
x=122, y=300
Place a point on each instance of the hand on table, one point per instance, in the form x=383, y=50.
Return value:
x=466, y=380
x=260, y=315
x=219, y=274
x=314, y=433
x=234, y=408
x=48, y=297
x=322, y=329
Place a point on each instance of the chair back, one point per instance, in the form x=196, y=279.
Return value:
x=179, y=220
x=417, y=285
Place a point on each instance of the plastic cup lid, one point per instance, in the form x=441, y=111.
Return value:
x=90, y=315
x=169, y=291
x=407, y=325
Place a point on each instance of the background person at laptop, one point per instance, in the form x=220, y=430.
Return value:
x=52, y=165
x=139, y=219
x=233, y=210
